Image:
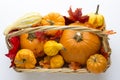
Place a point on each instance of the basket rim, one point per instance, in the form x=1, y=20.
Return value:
x=62, y=70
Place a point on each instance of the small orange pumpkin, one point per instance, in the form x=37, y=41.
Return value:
x=53, y=18
x=97, y=63
x=29, y=41
x=79, y=46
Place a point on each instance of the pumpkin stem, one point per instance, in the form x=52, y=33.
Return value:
x=31, y=36
x=78, y=36
x=23, y=60
x=97, y=9
x=95, y=60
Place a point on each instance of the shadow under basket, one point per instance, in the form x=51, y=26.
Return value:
x=100, y=33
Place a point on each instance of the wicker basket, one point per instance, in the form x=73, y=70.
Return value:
x=64, y=69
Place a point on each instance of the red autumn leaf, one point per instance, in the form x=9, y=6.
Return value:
x=57, y=35
x=83, y=19
x=67, y=20
x=15, y=43
x=40, y=35
x=105, y=54
x=77, y=15
x=12, y=63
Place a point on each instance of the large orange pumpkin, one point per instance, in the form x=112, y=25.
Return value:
x=79, y=46
x=53, y=18
x=28, y=41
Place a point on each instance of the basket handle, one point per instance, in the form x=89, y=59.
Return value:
x=100, y=33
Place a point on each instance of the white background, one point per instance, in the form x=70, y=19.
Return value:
x=10, y=10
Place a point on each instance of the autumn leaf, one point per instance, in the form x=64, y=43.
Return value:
x=110, y=32
x=105, y=54
x=15, y=43
x=67, y=20
x=57, y=35
x=77, y=15
x=40, y=35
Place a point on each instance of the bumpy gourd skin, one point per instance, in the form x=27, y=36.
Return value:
x=97, y=20
x=25, y=59
x=56, y=61
x=52, y=48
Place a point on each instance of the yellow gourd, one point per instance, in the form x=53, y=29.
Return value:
x=56, y=61
x=52, y=48
x=97, y=20
x=25, y=59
